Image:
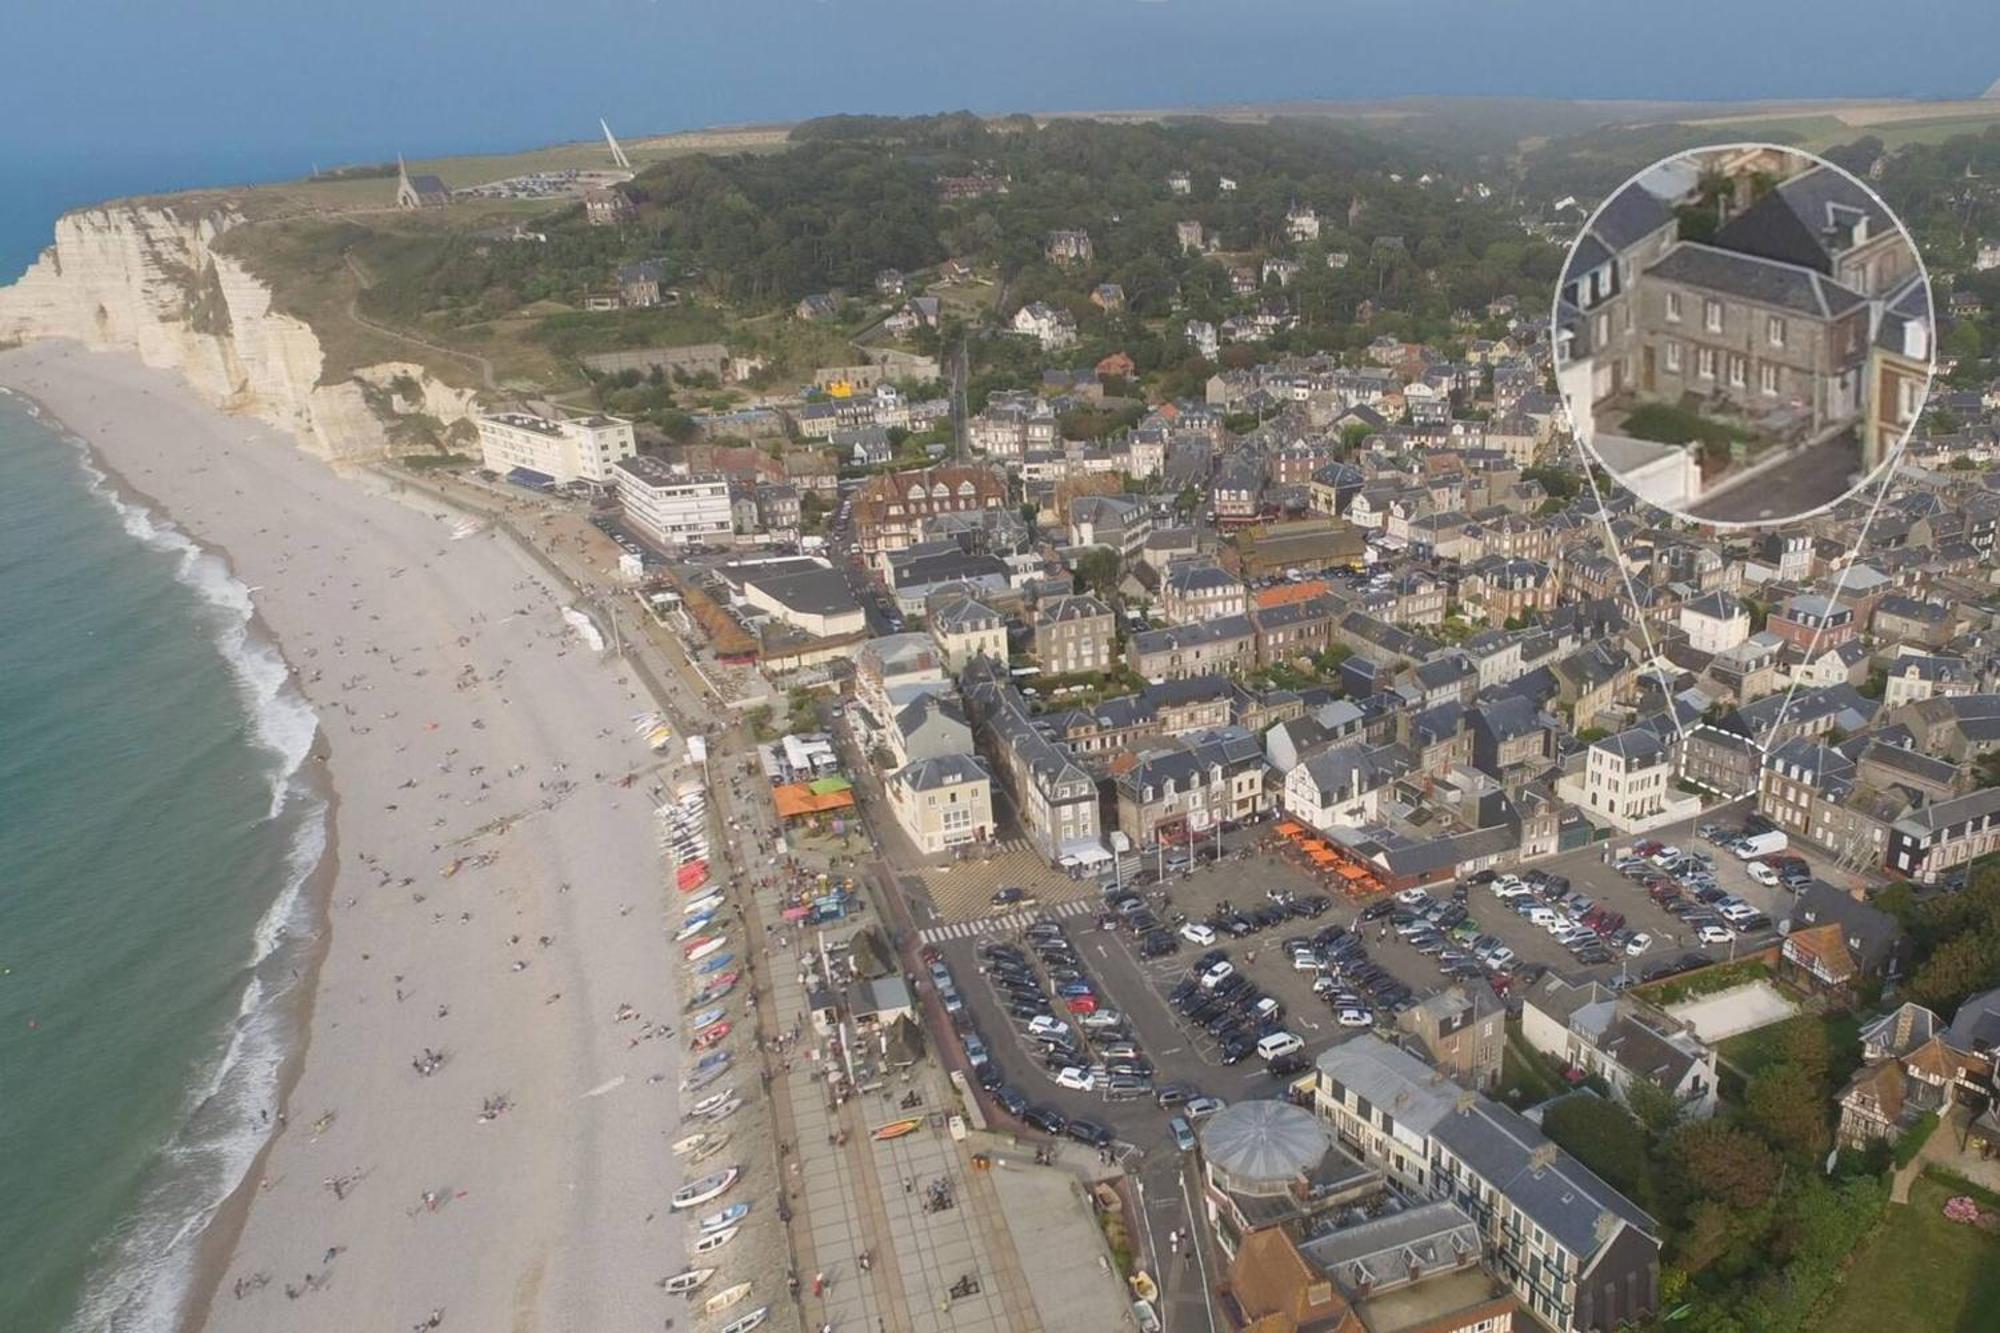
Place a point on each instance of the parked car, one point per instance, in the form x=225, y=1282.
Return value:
x=1045, y=1118
x=1638, y=944
x=1090, y=1132
x=1183, y=1133
x=1200, y=1108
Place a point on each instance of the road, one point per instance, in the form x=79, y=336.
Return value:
x=1810, y=479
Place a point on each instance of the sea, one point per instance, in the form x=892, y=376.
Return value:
x=157, y=839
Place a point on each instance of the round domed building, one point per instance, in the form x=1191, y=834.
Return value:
x=1266, y=1163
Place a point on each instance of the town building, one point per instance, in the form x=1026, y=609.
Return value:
x=943, y=803
x=668, y=507
x=1074, y=635
x=1945, y=836
x=545, y=451
x=1595, y=1031
x=890, y=509
x=966, y=628
x=1577, y=1253
x=1463, y=1029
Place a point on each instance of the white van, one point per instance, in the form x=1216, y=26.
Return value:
x=1278, y=1045
x=1542, y=916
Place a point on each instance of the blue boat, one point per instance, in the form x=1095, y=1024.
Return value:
x=715, y=964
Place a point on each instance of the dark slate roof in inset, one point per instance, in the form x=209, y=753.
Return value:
x=1628, y=216
x=1765, y=281
x=1807, y=220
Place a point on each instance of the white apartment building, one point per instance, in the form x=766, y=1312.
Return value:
x=669, y=507
x=1715, y=623
x=564, y=451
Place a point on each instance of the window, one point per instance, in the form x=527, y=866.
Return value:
x=1711, y=316
x=1767, y=378
x=1673, y=355
x=1909, y=397
x=1704, y=361
x=1739, y=370
x=1603, y=323
x=1674, y=307
x=1774, y=331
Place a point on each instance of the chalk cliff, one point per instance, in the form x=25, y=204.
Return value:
x=147, y=278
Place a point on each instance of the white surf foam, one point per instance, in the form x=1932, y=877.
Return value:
x=146, y=1278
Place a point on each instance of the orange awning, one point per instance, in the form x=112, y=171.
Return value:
x=798, y=799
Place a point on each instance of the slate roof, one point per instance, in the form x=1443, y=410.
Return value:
x=1629, y=216
x=1752, y=278
x=1557, y=1192
x=948, y=770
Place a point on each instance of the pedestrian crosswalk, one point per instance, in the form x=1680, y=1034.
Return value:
x=1003, y=925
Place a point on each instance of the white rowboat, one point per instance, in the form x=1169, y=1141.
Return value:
x=747, y=1322
x=708, y=1187
x=715, y=1240
x=725, y=1217
x=688, y=1281
x=725, y=1298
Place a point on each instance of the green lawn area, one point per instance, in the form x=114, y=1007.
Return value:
x=1752, y=1051
x=1669, y=424
x=1921, y=1273
x=1524, y=1079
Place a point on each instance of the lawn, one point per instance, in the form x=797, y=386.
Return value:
x=1921, y=1273
x=1525, y=1079
x=1670, y=424
x=1752, y=1051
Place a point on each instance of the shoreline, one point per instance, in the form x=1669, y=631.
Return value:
x=227, y=1215
x=558, y=1210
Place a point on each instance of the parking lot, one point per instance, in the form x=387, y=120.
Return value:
x=1346, y=967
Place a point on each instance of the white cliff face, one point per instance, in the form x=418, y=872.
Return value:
x=143, y=278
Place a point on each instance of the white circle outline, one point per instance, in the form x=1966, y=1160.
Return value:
x=1891, y=460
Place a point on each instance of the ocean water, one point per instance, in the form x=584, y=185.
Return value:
x=156, y=840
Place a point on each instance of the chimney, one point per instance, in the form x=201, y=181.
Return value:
x=1543, y=1157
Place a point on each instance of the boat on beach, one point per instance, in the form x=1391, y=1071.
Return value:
x=684, y=1146
x=681, y=1283
x=703, y=1040
x=749, y=1321
x=699, y=1192
x=709, y=1103
x=726, y=1109
x=710, y=1146
x=696, y=950
x=708, y=1017
x=714, y=1240
x=694, y=927
x=715, y=964
x=703, y=905
x=725, y=1298
x=725, y=1217
x=701, y=1078
x=895, y=1129
x=713, y=991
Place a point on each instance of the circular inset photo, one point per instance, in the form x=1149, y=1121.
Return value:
x=1744, y=335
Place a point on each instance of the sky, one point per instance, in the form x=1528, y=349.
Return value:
x=363, y=79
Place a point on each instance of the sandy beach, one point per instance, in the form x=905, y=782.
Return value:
x=523, y=1182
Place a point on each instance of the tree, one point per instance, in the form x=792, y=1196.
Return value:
x=1788, y=1107
x=1652, y=1105
x=1097, y=568
x=1725, y=1164
x=1955, y=970
x=1605, y=1139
